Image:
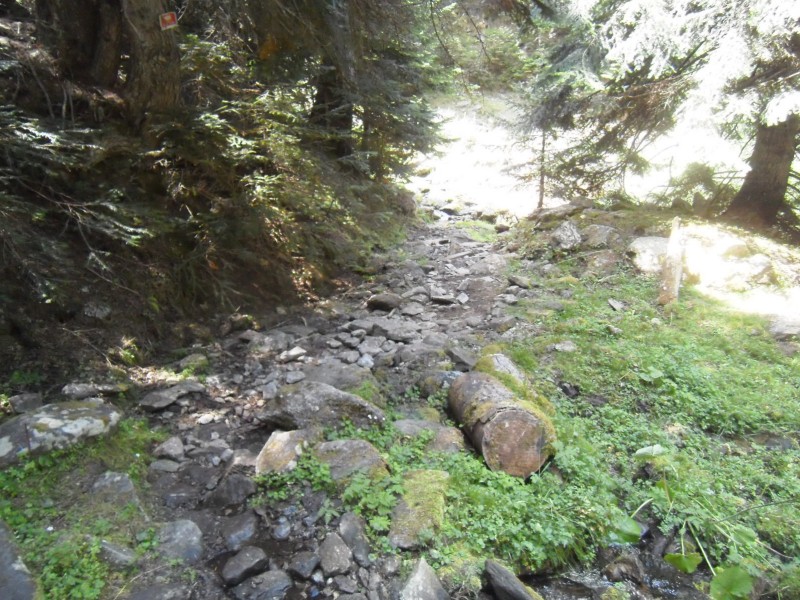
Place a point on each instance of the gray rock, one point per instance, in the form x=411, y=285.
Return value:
x=506, y=585
x=500, y=363
x=249, y=561
x=54, y=426
x=118, y=557
x=353, y=532
x=303, y=564
x=566, y=346
x=160, y=399
x=81, y=391
x=23, y=403
x=292, y=355
x=283, y=448
x=785, y=328
x=16, y=582
x=165, y=466
x=385, y=302
x=293, y=377
x=313, y=404
x=366, y=362
x=626, y=567
x=164, y=591
x=348, y=585
x=566, y=236
x=647, y=253
x=397, y=330
x=238, y=530
x=272, y=585
x=600, y=236
x=115, y=488
x=494, y=265
x=423, y=584
x=335, y=556
x=194, y=361
x=282, y=529
x=346, y=457
x=172, y=449
x=412, y=309
x=233, y=491
x=181, y=540
x=372, y=345
x=520, y=281
x=463, y=359
x=349, y=357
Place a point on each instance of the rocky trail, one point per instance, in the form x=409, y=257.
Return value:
x=263, y=395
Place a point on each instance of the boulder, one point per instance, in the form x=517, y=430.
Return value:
x=23, y=403
x=423, y=584
x=347, y=457
x=54, y=426
x=234, y=490
x=785, y=328
x=239, y=529
x=310, y=404
x=16, y=582
x=647, y=253
x=600, y=236
x=493, y=265
x=446, y=439
x=283, y=448
x=566, y=236
x=512, y=434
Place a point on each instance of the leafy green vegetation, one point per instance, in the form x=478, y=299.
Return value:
x=691, y=415
x=56, y=524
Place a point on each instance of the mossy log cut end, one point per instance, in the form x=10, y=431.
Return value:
x=512, y=436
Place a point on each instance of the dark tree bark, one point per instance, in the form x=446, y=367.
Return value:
x=86, y=36
x=762, y=195
x=333, y=109
x=153, y=84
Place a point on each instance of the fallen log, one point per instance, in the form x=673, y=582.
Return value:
x=512, y=434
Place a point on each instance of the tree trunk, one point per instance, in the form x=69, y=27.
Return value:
x=153, y=84
x=333, y=110
x=85, y=35
x=761, y=196
x=510, y=436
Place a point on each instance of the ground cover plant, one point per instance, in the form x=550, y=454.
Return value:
x=58, y=527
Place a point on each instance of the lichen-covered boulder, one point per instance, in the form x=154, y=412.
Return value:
x=348, y=457
x=54, y=426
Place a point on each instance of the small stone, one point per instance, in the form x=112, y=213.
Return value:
x=249, y=561
x=160, y=399
x=334, y=555
x=282, y=530
x=350, y=357
x=172, y=449
x=181, y=540
x=238, y=530
x=233, y=491
x=272, y=585
x=164, y=466
x=348, y=585
x=616, y=305
x=520, y=281
x=566, y=236
x=385, y=302
x=295, y=377
x=195, y=362
x=292, y=355
x=423, y=584
x=462, y=298
x=353, y=532
x=566, y=346
x=303, y=564
x=118, y=557
x=412, y=309
x=366, y=362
